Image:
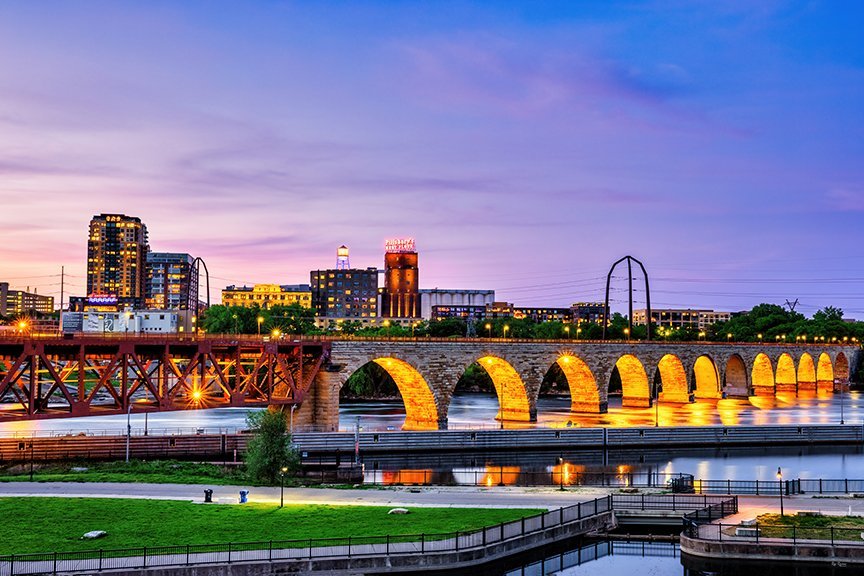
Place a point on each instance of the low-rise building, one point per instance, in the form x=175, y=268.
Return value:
x=127, y=322
x=478, y=313
x=13, y=302
x=588, y=312
x=681, y=318
x=267, y=295
x=456, y=300
x=543, y=314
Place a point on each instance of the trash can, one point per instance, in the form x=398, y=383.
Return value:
x=208, y=495
x=244, y=496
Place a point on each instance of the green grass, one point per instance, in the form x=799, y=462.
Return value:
x=56, y=524
x=810, y=527
x=151, y=472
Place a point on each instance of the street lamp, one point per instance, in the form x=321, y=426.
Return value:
x=567, y=330
x=128, y=428
x=759, y=336
x=276, y=333
x=578, y=332
x=702, y=335
x=657, y=390
x=780, y=480
x=236, y=324
x=506, y=328
x=489, y=329
x=627, y=333
x=386, y=327
x=728, y=336
x=260, y=320
x=282, y=486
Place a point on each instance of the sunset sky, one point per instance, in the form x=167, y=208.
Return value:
x=524, y=145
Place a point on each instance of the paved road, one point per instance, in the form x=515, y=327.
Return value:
x=507, y=497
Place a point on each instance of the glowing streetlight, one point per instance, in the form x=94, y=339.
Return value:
x=260, y=321
x=578, y=332
x=506, y=328
x=282, y=486
x=627, y=333
x=276, y=333
x=489, y=329
x=236, y=324
x=728, y=336
x=561, y=466
x=702, y=335
x=759, y=336
x=780, y=481
x=567, y=330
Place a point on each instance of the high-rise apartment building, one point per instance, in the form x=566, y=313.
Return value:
x=117, y=258
x=172, y=281
x=401, y=295
x=13, y=302
x=345, y=292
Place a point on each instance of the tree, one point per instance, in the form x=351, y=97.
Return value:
x=270, y=449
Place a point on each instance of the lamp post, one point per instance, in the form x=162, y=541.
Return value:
x=728, y=336
x=567, y=330
x=578, y=332
x=276, y=333
x=780, y=481
x=838, y=381
x=489, y=329
x=561, y=472
x=282, y=486
x=236, y=324
x=627, y=333
x=759, y=336
x=506, y=328
x=657, y=390
x=291, y=420
x=386, y=327
x=260, y=320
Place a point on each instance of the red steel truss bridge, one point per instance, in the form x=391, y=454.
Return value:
x=89, y=375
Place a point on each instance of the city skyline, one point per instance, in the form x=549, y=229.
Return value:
x=525, y=148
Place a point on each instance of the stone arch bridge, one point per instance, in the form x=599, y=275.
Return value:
x=426, y=373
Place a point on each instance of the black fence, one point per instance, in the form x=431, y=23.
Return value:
x=774, y=487
x=775, y=533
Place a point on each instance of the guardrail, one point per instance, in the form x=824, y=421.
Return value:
x=775, y=533
x=774, y=487
x=308, y=549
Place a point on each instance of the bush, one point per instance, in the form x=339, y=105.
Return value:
x=269, y=450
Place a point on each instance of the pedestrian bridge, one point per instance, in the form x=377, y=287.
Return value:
x=426, y=373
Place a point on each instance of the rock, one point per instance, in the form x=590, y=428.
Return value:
x=629, y=490
x=398, y=511
x=94, y=534
x=79, y=469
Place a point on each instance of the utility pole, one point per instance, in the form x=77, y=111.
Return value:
x=792, y=305
x=62, y=286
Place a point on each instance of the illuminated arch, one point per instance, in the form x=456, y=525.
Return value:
x=584, y=395
x=841, y=367
x=674, y=378
x=512, y=396
x=736, y=377
x=635, y=392
x=785, y=380
x=421, y=410
x=762, y=376
x=824, y=373
x=806, y=373
x=707, y=378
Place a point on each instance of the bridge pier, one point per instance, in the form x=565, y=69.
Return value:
x=598, y=407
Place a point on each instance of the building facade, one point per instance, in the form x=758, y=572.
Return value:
x=544, y=314
x=172, y=281
x=400, y=297
x=588, y=312
x=349, y=293
x=129, y=322
x=464, y=312
x=117, y=258
x=267, y=295
x=13, y=302
x=430, y=298
x=681, y=318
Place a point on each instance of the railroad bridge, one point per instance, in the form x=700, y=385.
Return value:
x=80, y=375
x=426, y=373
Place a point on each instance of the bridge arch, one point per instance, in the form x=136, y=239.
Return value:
x=513, y=404
x=785, y=379
x=824, y=373
x=673, y=379
x=421, y=408
x=584, y=393
x=735, y=379
x=806, y=373
x=635, y=392
x=762, y=375
x=841, y=367
x=707, y=378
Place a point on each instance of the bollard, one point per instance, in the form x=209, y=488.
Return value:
x=208, y=496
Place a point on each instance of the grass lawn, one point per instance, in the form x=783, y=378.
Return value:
x=56, y=524
x=151, y=472
x=810, y=527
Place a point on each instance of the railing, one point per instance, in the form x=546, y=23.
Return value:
x=311, y=548
x=775, y=533
x=774, y=487
x=675, y=502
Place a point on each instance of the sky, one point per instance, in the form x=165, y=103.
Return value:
x=525, y=146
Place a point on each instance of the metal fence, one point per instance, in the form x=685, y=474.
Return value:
x=774, y=487
x=776, y=533
x=351, y=546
